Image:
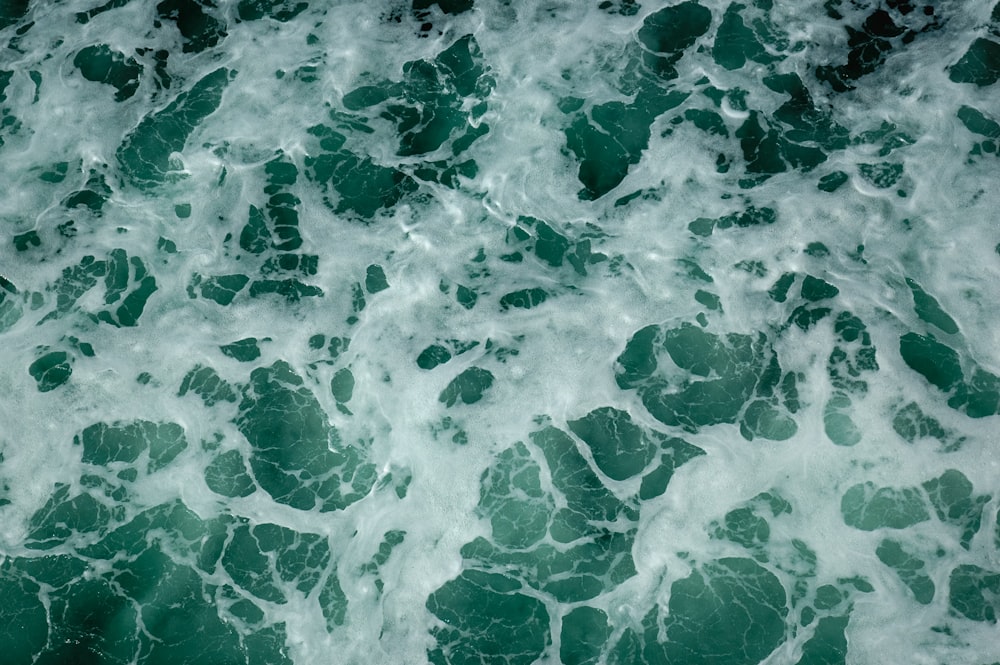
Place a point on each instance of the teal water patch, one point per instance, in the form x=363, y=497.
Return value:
x=145, y=154
x=731, y=370
x=732, y=611
x=456, y=332
x=291, y=438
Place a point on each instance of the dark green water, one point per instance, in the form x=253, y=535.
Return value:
x=499, y=333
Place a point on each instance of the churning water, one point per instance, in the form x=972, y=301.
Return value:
x=499, y=332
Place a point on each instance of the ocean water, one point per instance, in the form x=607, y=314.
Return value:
x=499, y=332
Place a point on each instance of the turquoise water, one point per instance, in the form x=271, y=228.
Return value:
x=499, y=332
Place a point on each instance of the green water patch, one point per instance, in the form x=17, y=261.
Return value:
x=669, y=32
x=983, y=125
x=336, y=347
x=798, y=134
x=593, y=532
x=90, y=621
x=912, y=424
x=707, y=121
x=828, y=643
x=584, y=632
x=621, y=449
x=752, y=216
x=929, y=310
x=270, y=561
x=887, y=137
x=95, y=616
x=199, y=28
x=612, y=137
x=375, y=279
x=571, y=574
x=255, y=236
x=730, y=378
x=227, y=475
x=427, y=104
x=954, y=502
x=306, y=265
x=362, y=186
x=815, y=289
x=512, y=498
x=27, y=240
x=909, y=568
x=446, y=6
x=675, y=452
x=102, y=64
x=524, y=298
x=980, y=65
x=333, y=601
x=838, y=425
x=432, y=356
x=484, y=618
x=729, y=611
x=805, y=124
x=702, y=353
x=12, y=13
x=881, y=174
x=51, y=370
x=708, y=299
x=587, y=499
x=126, y=281
x=443, y=351
x=748, y=524
x=853, y=356
x=144, y=155
x=11, y=305
x=134, y=303
x=806, y=316
x=762, y=148
x=974, y=593
x=831, y=182
x=554, y=248
x=392, y=539
x=977, y=396
x=468, y=387
x=297, y=456
x=157, y=444
x=779, y=290
x=208, y=385
x=762, y=419
x=220, y=289
x=244, y=350
x=292, y=290
x=342, y=385
x=436, y=109
x=870, y=44
x=978, y=122
x=867, y=507
x=736, y=43
x=10, y=125
x=64, y=517
x=282, y=212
